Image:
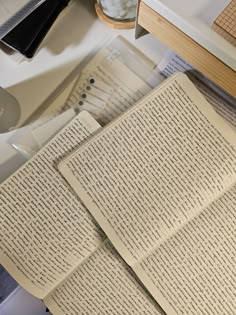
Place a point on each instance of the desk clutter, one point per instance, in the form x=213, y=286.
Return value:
x=126, y=204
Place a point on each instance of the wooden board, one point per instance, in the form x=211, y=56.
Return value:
x=187, y=48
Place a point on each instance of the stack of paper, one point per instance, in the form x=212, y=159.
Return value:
x=160, y=181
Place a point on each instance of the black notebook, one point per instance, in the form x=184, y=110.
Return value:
x=28, y=34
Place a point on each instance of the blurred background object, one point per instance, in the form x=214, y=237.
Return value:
x=9, y=111
x=117, y=13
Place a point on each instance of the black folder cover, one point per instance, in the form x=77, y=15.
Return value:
x=28, y=34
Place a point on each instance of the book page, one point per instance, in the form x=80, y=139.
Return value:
x=193, y=272
x=45, y=231
x=154, y=168
x=103, y=284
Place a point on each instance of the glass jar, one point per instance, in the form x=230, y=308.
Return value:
x=119, y=10
x=9, y=111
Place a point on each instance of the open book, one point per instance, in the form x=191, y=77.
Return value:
x=47, y=237
x=161, y=182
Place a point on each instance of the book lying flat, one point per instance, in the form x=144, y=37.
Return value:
x=161, y=182
x=44, y=229
x=102, y=284
x=47, y=237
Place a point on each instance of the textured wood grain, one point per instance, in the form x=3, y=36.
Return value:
x=225, y=24
x=187, y=48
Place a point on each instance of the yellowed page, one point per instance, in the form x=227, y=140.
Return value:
x=155, y=168
x=103, y=284
x=194, y=270
x=45, y=231
x=150, y=175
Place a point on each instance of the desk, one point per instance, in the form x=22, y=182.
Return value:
x=73, y=36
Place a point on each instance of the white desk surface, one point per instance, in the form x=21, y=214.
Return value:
x=74, y=35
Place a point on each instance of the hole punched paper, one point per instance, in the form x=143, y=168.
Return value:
x=113, y=80
x=161, y=182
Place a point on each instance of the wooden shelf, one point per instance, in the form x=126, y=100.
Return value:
x=187, y=48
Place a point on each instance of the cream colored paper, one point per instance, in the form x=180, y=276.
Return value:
x=103, y=284
x=194, y=269
x=45, y=231
x=154, y=170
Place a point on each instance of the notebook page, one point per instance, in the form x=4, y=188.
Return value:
x=45, y=231
x=102, y=285
x=154, y=168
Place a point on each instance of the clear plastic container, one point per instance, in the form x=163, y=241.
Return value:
x=119, y=10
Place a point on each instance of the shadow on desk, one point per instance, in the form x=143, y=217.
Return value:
x=7, y=284
x=47, y=83
x=20, y=302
